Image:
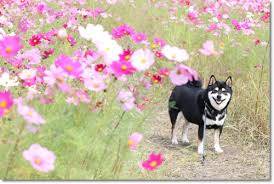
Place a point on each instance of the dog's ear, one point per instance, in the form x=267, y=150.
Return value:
x=229, y=81
x=212, y=80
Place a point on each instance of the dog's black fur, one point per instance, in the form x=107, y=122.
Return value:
x=191, y=99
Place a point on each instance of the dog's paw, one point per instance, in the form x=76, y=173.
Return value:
x=174, y=141
x=200, y=150
x=218, y=150
x=186, y=142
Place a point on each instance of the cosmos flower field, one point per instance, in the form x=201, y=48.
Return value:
x=81, y=80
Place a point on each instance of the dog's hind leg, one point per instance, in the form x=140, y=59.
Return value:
x=173, y=113
x=185, y=132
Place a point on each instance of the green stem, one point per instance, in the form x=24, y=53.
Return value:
x=105, y=149
x=12, y=156
x=260, y=79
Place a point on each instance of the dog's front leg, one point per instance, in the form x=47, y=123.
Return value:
x=217, y=134
x=201, y=139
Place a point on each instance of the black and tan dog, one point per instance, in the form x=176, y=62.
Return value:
x=199, y=105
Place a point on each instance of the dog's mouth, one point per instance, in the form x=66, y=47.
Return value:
x=218, y=101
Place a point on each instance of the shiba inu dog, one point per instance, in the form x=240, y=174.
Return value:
x=200, y=106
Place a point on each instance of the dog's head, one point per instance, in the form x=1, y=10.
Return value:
x=219, y=92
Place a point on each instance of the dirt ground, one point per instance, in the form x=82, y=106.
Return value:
x=238, y=162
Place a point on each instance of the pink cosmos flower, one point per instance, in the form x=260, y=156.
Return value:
x=28, y=113
x=9, y=46
x=127, y=100
x=72, y=68
x=33, y=56
x=182, y=74
x=193, y=16
x=208, y=49
x=40, y=158
x=95, y=84
x=126, y=55
x=121, y=31
x=72, y=100
x=83, y=96
x=212, y=27
x=6, y=102
x=139, y=37
x=133, y=140
x=159, y=42
x=236, y=24
x=153, y=162
x=53, y=75
x=122, y=68
x=71, y=40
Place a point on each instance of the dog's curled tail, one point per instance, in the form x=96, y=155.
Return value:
x=195, y=83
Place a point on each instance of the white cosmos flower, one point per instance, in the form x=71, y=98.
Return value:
x=27, y=74
x=175, y=53
x=8, y=82
x=110, y=50
x=106, y=46
x=62, y=33
x=91, y=31
x=142, y=59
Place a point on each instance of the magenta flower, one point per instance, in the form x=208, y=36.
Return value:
x=72, y=68
x=126, y=55
x=71, y=40
x=122, y=68
x=159, y=42
x=40, y=158
x=121, y=31
x=35, y=40
x=6, y=102
x=133, y=140
x=139, y=37
x=153, y=162
x=182, y=74
x=9, y=46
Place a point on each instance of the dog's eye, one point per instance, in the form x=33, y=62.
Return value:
x=214, y=91
x=225, y=94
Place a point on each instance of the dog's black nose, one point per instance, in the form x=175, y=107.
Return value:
x=219, y=97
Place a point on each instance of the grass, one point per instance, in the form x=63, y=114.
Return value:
x=87, y=144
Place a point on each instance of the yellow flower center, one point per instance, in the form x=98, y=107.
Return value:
x=8, y=50
x=30, y=113
x=173, y=56
x=96, y=85
x=153, y=163
x=3, y=104
x=143, y=60
x=38, y=161
x=130, y=142
x=153, y=46
x=124, y=67
x=69, y=68
x=127, y=57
